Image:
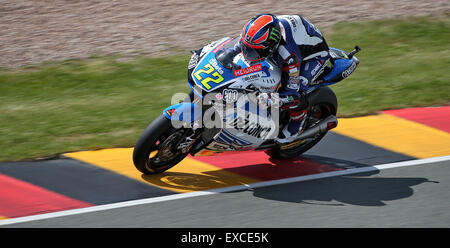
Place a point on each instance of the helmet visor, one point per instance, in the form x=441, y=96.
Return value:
x=251, y=54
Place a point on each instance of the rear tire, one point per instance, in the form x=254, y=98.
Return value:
x=323, y=103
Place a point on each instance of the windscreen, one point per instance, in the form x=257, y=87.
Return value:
x=226, y=54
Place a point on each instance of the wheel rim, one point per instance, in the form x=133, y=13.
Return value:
x=317, y=113
x=161, y=154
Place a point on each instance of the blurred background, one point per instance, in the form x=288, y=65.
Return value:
x=78, y=75
x=36, y=31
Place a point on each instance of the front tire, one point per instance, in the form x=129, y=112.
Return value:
x=147, y=157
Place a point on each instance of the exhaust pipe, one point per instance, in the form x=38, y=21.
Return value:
x=323, y=126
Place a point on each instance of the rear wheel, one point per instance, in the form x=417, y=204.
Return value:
x=323, y=103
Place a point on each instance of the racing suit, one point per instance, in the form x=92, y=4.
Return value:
x=303, y=54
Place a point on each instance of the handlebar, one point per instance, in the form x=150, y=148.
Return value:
x=352, y=53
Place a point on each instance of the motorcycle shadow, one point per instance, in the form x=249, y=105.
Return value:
x=360, y=189
x=364, y=189
x=180, y=179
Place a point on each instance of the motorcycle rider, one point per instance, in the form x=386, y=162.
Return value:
x=301, y=52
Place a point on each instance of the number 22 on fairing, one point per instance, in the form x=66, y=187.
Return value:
x=210, y=71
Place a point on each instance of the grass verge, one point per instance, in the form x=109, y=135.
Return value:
x=102, y=102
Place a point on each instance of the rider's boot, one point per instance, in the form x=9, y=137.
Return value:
x=294, y=128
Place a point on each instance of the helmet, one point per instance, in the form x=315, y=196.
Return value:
x=260, y=37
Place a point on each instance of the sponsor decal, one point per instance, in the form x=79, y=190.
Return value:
x=251, y=128
x=314, y=71
x=252, y=77
x=274, y=35
x=293, y=83
x=170, y=112
x=193, y=62
x=292, y=21
x=248, y=70
x=262, y=88
x=213, y=62
x=230, y=95
x=290, y=63
x=349, y=70
x=219, y=96
x=322, y=65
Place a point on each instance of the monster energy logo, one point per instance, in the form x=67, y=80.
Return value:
x=274, y=34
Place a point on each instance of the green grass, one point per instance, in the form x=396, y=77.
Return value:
x=101, y=102
x=404, y=63
x=79, y=104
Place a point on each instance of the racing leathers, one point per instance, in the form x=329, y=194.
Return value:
x=303, y=54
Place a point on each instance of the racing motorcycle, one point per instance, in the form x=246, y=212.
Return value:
x=223, y=112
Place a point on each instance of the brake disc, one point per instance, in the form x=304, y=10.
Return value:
x=167, y=148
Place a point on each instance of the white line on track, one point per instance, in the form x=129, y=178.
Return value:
x=222, y=190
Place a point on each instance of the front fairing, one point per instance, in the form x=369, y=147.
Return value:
x=221, y=73
x=213, y=71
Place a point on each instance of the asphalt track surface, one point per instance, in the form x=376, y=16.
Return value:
x=395, y=197
x=412, y=196
x=322, y=188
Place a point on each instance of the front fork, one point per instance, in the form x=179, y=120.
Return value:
x=185, y=115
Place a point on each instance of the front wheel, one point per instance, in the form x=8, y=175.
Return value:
x=156, y=150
